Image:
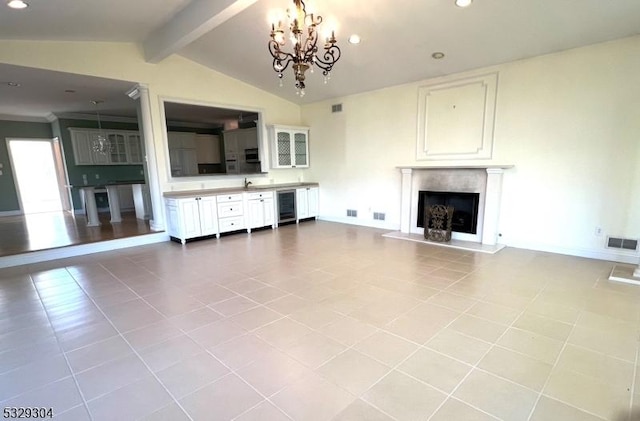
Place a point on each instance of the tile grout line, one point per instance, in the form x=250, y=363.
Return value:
x=64, y=354
x=553, y=367
x=137, y=354
x=633, y=382
x=475, y=366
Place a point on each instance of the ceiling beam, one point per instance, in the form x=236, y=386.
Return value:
x=192, y=22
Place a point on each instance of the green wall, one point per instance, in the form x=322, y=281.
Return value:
x=105, y=172
x=15, y=129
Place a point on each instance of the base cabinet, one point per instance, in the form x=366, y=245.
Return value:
x=306, y=203
x=192, y=217
x=200, y=216
x=231, y=212
x=260, y=210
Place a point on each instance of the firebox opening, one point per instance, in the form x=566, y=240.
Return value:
x=465, y=208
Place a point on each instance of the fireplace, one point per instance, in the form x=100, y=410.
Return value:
x=465, y=208
x=485, y=181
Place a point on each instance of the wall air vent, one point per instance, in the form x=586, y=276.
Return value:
x=352, y=213
x=622, y=243
x=336, y=108
x=379, y=216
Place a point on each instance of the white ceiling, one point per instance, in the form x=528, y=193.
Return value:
x=231, y=36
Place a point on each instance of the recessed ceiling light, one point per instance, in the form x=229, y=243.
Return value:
x=17, y=4
x=463, y=3
x=354, y=39
x=437, y=55
x=13, y=84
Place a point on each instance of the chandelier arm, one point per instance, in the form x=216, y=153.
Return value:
x=281, y=60
x=330, y=56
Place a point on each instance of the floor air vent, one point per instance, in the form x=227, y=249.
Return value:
x=622, y=243
x=379, y=216
x=352, y=212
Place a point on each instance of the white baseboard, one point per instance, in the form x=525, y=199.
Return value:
x=612, y=255
x=362, y=222
x=11, y=213
x=81, y=249
x=620, y=256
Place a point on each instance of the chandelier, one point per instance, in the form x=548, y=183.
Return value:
x=100, y=143
x=304, y=38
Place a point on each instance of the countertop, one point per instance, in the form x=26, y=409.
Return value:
x=227, y=190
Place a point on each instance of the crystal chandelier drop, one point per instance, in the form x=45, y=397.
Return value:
x=100, y=143
x=303, y=35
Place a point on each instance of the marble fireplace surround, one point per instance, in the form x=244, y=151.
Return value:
x=483, y=179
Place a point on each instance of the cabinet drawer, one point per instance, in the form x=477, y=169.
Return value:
x=230, y=198
x=171, y=202
x=229, y=209
x=231, y=224
x=261, y=195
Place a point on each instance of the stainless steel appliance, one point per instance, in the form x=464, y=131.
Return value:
x=286, y=206
x=251, y=155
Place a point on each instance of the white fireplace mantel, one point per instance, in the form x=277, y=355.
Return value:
x=492, y=196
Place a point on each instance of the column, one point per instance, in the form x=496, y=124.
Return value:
x=114, y=204
x=90, y=206
x=405, y=203
x=492, y=206
x=141, y=93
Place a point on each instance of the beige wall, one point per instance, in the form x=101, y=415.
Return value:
x=569, y=122
x=174, y=78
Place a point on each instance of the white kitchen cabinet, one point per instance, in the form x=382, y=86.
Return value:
x=306, y=203
x=260, y=210
x=134, y=148
x=81, y=147
x=208, y=148
x=183, y=155
x=192, y=217
x=289, y=146
x=126, y=148
x=184, y=162
x=231, y=212
x=118, y=153
x=182, y=140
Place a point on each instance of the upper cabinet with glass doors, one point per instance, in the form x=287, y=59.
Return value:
x=289, y=146
x=125, y=147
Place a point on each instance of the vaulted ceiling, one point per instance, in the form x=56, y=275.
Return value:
x=398, y=38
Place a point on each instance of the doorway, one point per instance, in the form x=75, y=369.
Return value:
x=39, y=174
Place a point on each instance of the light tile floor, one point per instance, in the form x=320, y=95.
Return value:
x=316, y=322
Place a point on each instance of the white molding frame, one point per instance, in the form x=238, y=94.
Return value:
x=262, y=138
x=489, y=83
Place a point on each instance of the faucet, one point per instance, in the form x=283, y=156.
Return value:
x=246, y=183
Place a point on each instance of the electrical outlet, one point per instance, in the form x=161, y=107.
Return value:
x=598, y=231
x=97, y=176
x=84, y=179
x=0, y=172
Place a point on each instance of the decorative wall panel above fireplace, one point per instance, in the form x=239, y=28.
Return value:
x=456, y=119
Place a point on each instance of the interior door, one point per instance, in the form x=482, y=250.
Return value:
x=61, y=172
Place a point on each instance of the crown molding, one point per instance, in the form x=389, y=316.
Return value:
x=22, y=118
x=93, y=117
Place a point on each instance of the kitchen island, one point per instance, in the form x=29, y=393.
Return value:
x=111, y=187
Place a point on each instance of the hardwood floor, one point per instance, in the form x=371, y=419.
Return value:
x=41, y=231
